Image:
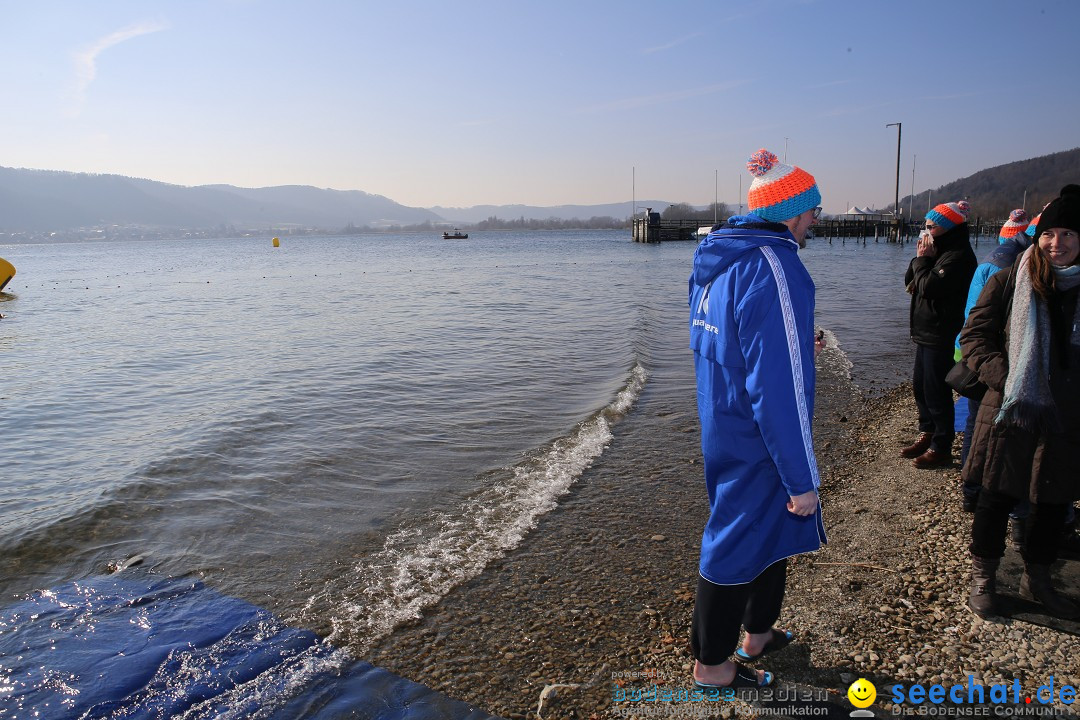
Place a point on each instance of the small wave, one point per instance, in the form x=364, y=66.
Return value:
x=419, y=565
x=833, y=357
x=264, y=695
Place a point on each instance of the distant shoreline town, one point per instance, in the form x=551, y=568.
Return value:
x=122, y=233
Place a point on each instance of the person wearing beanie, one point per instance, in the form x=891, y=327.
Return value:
x=1023, y=339
x=1030, y=230
x=752, y=334
x=938, y=279
x=1012, y=240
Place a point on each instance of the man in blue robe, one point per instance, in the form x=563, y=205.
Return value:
x=752, y=333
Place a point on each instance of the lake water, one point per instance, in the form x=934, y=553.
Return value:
x=342, y=429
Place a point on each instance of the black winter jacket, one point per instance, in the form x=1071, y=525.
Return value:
x=939, y=287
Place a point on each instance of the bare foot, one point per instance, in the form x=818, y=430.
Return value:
x=720, y=675
x=754, y=643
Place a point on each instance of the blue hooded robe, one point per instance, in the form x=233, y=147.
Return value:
x=752, y=333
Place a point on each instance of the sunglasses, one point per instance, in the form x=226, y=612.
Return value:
x=817, y=212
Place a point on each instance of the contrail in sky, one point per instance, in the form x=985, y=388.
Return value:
x=86, y=59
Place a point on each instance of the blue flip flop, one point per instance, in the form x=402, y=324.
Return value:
x=779, y=639
x=744, y=678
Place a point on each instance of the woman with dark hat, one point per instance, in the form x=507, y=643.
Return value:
x=1023, y=338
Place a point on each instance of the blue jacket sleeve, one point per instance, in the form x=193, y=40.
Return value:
x=978, y=282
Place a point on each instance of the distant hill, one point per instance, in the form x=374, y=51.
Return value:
x=996, y=191
x=46, y=200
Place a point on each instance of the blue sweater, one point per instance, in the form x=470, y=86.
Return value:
x=999, y=258
x=752, y=333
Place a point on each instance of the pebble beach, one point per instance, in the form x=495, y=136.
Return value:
x=597, y=600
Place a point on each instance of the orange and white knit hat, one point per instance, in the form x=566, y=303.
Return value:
x=779, y=192
x=949, y=215
x=1016, y=224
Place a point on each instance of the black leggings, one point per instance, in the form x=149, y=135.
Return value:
x=720, y=610
x=991, y=522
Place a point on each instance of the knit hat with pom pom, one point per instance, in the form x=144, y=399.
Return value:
x=949, y=215
x=1062, y=212
x=779, y=192
x=1015, y=225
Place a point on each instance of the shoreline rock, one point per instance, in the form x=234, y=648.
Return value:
x=598, y=598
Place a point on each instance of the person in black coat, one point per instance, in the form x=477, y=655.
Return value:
x=938, y=279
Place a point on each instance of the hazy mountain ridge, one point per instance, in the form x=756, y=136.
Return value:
x=995, y=192
x=317, y=207
x=39, y=201
x=49, y=200
x=57, y=201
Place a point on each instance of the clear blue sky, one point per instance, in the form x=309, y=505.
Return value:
x=460, y=102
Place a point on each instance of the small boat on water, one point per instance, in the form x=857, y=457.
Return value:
x=456, y=235
x=7, y=271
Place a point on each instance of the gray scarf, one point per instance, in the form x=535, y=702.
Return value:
x=1028, y=402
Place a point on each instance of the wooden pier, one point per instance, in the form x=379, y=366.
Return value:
x=653, y=229
x=980, y=230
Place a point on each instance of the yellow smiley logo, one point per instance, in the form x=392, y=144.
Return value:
x=862, y=693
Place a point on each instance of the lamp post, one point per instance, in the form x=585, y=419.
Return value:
x=911, y=198
x=896, y=200
x=715, y=197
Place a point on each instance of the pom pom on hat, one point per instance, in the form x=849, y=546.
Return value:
x=1015, y=225
x=949, y=215
x=779, y=191
x=761, y=162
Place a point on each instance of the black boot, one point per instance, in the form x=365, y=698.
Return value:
x=983, y=585
x=1037, y=585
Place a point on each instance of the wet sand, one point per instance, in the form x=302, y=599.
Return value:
x=598, y=598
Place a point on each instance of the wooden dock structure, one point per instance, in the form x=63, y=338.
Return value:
x=886, y=230
x=653, y=229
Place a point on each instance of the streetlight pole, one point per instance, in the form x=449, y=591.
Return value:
x=715, y=197
x=911, y=198
x=785, y=149
x=896, y=201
